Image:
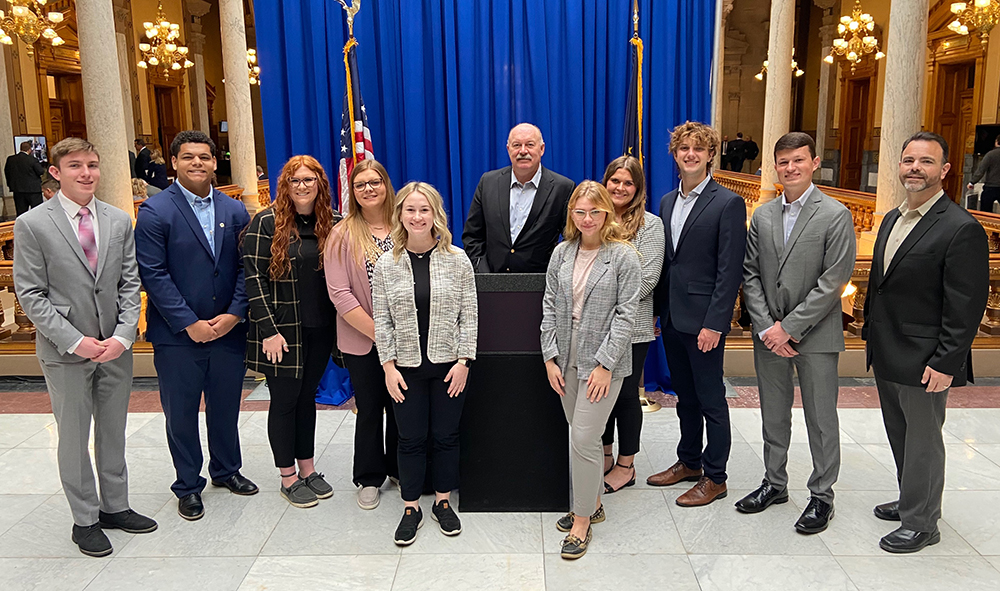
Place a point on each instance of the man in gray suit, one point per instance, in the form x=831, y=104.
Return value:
x=800, y=255
x=76, y=277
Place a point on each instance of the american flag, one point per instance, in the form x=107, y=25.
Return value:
x=355, y=136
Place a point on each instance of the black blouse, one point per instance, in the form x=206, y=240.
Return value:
x=315, y=306
x=421, y=264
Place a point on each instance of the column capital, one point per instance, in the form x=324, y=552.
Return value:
x=825, y=4
x=198, y=8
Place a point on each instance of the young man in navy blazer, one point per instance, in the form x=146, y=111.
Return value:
x=187, y=241
x=705, y=240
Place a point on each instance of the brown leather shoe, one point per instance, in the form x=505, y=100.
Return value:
x=702, y=493
x=674, y=474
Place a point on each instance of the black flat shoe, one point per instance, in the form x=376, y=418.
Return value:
x=190, y=507
x=128, y=521
x=608, y=489
x=905, y=541
x=815, y=518
x=238, y=485
x=887, y=511
x=92, y=540
x=762, y=498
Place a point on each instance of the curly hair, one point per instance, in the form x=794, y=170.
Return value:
x=700, y=134
x=285, y=231
x=599, y=196
x=633, y=218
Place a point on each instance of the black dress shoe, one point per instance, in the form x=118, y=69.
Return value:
x=128, y=521
x=190, y=507
x=904, y=541
x=815, y=518
x=762, y=498
x=888, y=511
x=238, y=485
x=92, y=540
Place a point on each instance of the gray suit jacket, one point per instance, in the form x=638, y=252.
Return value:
x=610, y=300
x=800, y=283
x=57, y=289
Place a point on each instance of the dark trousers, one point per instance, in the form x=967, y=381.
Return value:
x=988, y=197
x=701, y=402
x=291, y=416
x=374, y=450
x=913, y=420
x=184, y=372
x=627, y=411
x=428, y=409
x=736, y=164
x=25, y=201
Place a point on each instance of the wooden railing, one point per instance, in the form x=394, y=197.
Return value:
x=264, y=193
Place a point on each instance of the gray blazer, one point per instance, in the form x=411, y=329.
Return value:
x=611, y=297
x=800, y=283
x=650, y=242
x=454, y=314
x=57, y=289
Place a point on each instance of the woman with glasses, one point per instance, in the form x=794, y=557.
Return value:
x=426, y=323
x=292, y=322
x=588, y=315
x=625, y=181
x=354, y=247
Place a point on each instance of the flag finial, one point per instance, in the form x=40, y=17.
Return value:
x=351, y=10
x=635, y=18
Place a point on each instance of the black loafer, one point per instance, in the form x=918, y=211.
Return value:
x=92, y=540
x=905, y=541
x=815, y=518
x=190, y=507
x=762, y=498
x=128, y=521
x=887, y=511
x=238, y=485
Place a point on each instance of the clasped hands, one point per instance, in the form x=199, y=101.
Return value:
x=204, y=331
x=779, y=341
x=100, y=351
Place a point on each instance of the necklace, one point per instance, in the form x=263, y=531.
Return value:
x=421, y=255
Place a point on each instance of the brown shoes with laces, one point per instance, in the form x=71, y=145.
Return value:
x=674, y=474
x=702, y=493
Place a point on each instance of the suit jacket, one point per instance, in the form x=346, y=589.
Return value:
x=487, y=230
x=185, y=279
x=156, y=175
x=141, y=163
x=925, y=308
x=56, y=288
x=701, y=278
x=131, y=163
x=23, y=173
x=800, y=282
x=608, y=319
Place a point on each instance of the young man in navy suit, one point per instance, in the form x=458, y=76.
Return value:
x=190, y=261
x=706, y=239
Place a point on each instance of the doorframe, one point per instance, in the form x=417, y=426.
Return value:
x=866, y=69
x=949, y=50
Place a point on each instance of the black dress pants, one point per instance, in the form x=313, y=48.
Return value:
x=627, y=411
x=25, y=201
x=988, y=197
x=291, y=416
x=374, y=448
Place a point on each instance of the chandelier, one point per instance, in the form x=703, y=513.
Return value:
x=856, y=39
x=795, y=68
x=162, y=48
x=981, y=17
x=254, y=69
x=28, y=21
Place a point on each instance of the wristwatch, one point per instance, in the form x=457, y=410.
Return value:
x=463, y=361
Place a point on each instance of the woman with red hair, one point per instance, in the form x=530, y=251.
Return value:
x=292, y=321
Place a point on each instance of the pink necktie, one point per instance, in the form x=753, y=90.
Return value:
x=87, y=238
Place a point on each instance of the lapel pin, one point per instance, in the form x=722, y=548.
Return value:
x=222, y=224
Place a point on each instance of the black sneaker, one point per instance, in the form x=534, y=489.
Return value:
x=92, y=540
x=412, y=520
x=565, y=522
x=447, y=520
x=128, y=521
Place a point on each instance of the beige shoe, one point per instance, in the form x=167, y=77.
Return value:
x=368, y=497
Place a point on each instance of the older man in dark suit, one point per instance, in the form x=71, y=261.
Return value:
x=928, y=289
x=519, y=211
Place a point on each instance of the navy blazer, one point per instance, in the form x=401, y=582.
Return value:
x=700, y=280
x=185, y=280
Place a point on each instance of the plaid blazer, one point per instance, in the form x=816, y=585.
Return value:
x=273, y=304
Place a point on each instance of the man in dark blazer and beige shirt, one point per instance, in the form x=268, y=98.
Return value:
x=926, y=296
x=800, y=255
x=519, y=211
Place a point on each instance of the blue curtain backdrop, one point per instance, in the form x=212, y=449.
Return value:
x=444, y=80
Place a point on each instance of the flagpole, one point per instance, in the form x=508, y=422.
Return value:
x=351, y=11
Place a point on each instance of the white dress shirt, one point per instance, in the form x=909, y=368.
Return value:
x=790, y=211
x=682, y=208
x=522, y=196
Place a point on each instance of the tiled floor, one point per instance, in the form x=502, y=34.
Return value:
x=648, y=542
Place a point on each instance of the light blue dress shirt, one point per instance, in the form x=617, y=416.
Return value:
x=521, y=199
x=204, y=210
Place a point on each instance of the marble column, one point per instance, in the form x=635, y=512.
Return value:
x=126, y=86
x=724, y=7
x=239, y=112
x=826, y=72
x=7, y=147
x=196, y=44
x=102, y=99
x=777, y=101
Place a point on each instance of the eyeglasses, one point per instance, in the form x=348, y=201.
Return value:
x=374, y=184
x=582, y=213
x=306, y=182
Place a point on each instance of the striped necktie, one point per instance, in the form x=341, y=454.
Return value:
x=86, y=230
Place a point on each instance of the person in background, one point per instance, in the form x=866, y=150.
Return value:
x=426, y=325
x=751, y=150
x=989, y=173
x=260, y=173
x=24, y=178
x=50, y=186
x=139, y=190
x=292, y=321
x=142, y=157
x=736, y=153
x=156, y=170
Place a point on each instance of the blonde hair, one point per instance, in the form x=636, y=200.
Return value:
x=139, y=188
x=599, y=196
x=156, y=157
x=700, y=134
x=440, y=229
x=354, y=228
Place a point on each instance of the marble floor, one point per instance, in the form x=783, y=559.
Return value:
x=648, y=542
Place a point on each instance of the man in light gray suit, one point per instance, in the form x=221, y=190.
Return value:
x=76, y=277
x=800, y=255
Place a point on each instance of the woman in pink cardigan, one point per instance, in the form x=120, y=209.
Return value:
x=355, y=244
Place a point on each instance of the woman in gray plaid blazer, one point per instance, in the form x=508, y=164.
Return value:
x=426, y=324
x=588, y=316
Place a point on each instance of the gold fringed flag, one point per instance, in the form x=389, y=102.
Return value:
x=632, y=142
